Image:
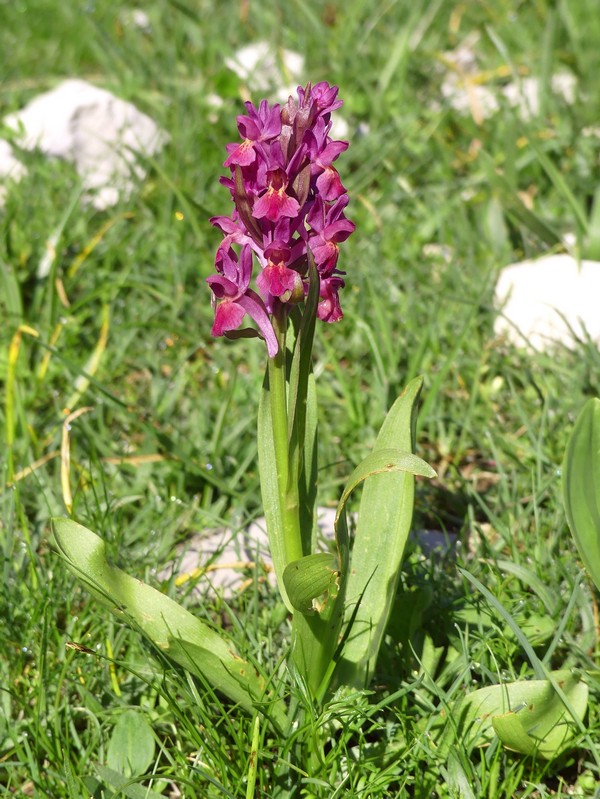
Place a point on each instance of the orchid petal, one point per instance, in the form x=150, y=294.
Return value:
x=255, y=308
x=221, y=287
x=275, y=204
x=228, y=316
x=243, y=154
x=329, y=184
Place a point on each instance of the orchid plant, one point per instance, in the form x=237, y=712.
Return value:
x=289, y=204
x=289, y=220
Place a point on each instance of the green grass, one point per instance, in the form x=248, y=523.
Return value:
x=494, y=422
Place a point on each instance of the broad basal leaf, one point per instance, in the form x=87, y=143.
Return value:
x=529, y=716
x=581, y=486
x=170, y=627
x=384, y=521
x=131, y=745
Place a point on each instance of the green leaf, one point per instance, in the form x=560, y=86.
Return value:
x=384, y=521
x=529, y=716
x=581, y=486
x=124, y=785
x=380, y=461
x=131, y=746
x=269, y=489
x=309, y=578
x=170, y=627
x=591, y=247
x=537, y=628
x=458, y=780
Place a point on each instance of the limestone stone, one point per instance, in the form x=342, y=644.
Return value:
x=548, y=300
x=101, y=134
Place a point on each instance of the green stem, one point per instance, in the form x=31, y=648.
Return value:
x=313, y=638
x=288, y=493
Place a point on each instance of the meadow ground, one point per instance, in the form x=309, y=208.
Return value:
x=167, y=447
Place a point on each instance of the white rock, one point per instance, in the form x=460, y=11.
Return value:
x=226, y=562
x=95, y=130
x=136, y=18
x=467, y=97
x=10, y=168
x=215, y=103
x=434, y=541
x=591, y=132
x=268, y=68
x=222, y=560
x=442, y=252
x=461, y=87
x=464, y=57
x=464, y=90
x=525, y=95
x=564, y=84
x=542, y=299
x=229, y=560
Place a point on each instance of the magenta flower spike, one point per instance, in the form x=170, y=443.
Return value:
x=289, y=206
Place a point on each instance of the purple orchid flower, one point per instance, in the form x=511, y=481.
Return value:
x=237, y=299
x=330, y=227
x=276, y=202
x=324, y=97
x=328, y=309
x=259, y=126
x=277, y=279
x=322, y=153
